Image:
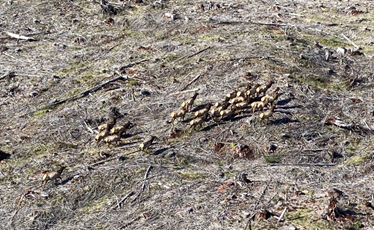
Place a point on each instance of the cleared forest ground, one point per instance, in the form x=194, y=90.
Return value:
x=311, y=163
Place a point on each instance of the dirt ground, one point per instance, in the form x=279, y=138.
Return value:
x=66, y=65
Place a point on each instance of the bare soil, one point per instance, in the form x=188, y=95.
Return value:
x=310, y=166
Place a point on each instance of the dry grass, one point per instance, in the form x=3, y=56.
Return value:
x=295, y=160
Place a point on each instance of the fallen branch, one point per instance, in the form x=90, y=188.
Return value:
x=16, y=36
x=86, y=92
x=102, y=161
x=79, y=95
x=88, y=127
x=247, y=58
x=305, y=164
x=226, y=22
x=118, y=204
x=191, y=55
x=357, y=47
x=143, y=187
x=122, y=68
x=192, y=81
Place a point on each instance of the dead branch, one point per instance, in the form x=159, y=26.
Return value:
x=79, y=95
x=86, y=92
x=122, y=68
x=191, y=55
x=192, y=81
x=143, y=186
x=226, y=22
x=118, y=204
x=305, y=164
x=16, y=36
x=356, y=46
x=102, y=161
x=248, y=58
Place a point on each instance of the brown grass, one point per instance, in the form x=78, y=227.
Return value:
x=294, y=161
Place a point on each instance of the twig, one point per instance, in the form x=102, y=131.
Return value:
x=282, y=214
x=118, y=204
x=254, y=209
x=88, y=127
x=192, y=81
x=143, y=186
x=367, y=125
x=11, y=219
x=191, y=55
x=357, y=47
x=79, y=95
x=16, y=36
x=246, y=58
x=246, y=22
x=9, y=55
x=315, y=150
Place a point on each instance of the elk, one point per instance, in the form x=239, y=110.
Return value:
x=203, y=112
x=187, y=104
x=267, y=114
x=178, y=113
x=147, y=143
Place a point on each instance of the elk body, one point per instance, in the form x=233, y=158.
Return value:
x=120, y=129
x=263, y=88
x=241, y=105
x=108, y=125
x=203, y=112
x=179, y=113
x=267, y=114
x=250, y=93
x=231, y=95
x=101, y=135
x=237, y=100
x=146, y=143
x=271, y=97
x=112, y=139
x=187, y=104
x=226, y=113
x=258, y=105
x=198, y=121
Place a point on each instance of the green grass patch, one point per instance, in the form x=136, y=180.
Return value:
x=192, y=175
x=271, y=159
x=132, y=82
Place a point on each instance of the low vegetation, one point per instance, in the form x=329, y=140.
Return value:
x=186, y=115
